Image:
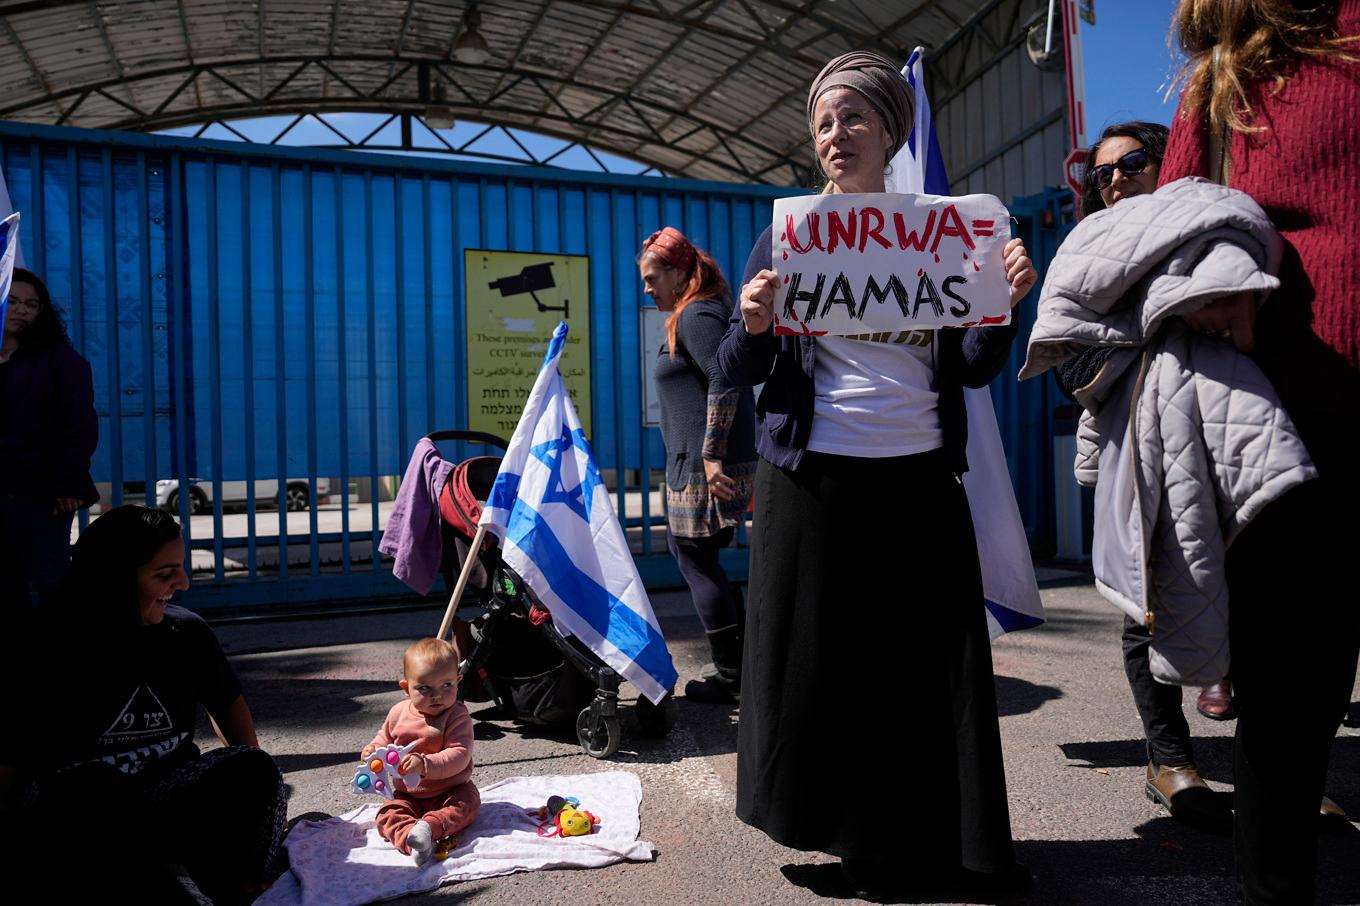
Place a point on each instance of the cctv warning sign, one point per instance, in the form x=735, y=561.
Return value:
x=514, y=301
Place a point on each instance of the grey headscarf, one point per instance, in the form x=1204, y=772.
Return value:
x=881, y=84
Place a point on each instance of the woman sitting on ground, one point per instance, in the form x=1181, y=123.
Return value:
x=111, y=737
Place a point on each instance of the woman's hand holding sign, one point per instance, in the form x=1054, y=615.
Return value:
x=1020, y=273
x=757, y=302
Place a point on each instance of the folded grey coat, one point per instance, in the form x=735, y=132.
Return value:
x=1182, y=436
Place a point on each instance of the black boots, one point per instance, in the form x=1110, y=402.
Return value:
x=721, y=680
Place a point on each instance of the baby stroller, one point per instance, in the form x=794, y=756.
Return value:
x=514, y=654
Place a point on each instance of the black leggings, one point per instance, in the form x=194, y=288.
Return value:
x=717, y=600
x=1159, y=705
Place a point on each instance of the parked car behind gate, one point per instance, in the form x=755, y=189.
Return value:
x=297, y=492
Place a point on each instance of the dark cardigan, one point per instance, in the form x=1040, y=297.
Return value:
x=968, y=357
x=49, y=428
x=686, y=383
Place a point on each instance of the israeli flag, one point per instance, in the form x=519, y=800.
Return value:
x=9, y=248
x=6, y=209
x=1008, y=584
x=557, y=528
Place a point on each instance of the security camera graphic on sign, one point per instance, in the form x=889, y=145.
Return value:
x=532, y=278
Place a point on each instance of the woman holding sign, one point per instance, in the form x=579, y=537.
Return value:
x=866, y=607
x=708, y=426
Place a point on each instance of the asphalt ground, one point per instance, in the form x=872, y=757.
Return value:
x=1074, y=759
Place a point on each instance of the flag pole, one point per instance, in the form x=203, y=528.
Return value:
x=462, y=582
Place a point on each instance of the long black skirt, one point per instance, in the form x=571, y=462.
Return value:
x=868, y=709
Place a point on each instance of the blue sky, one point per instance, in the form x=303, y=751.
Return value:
x=1128, y=65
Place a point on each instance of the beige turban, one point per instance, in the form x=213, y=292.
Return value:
x=880, y=83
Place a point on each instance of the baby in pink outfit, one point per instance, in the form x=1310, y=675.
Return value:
x=436, y=799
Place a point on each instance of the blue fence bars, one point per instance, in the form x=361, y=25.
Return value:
x=275, y=328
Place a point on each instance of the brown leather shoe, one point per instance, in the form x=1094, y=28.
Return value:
x=1216, y=702
x=1182, y=792
x=1332, y=814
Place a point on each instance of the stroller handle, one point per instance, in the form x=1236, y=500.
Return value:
x=476, y=437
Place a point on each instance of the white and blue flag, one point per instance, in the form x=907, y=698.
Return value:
x=7, y=208
x=9, y=249
x=1008, y=583
x=557, y=528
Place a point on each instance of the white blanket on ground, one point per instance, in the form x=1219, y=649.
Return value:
x=343, y=862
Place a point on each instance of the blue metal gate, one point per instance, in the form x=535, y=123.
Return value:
x=256, y=313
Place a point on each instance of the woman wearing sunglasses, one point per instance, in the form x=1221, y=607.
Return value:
x=1125, y=162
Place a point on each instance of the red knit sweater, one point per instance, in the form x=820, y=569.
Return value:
x=1304, y=170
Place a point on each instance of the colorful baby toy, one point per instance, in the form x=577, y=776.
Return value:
x=565, y=816
x=378, y=773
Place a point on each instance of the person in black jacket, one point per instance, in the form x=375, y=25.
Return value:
x=867, y=651
x=48, y=432
x=709, y=430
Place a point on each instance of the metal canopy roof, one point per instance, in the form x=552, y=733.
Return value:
x=709, y=89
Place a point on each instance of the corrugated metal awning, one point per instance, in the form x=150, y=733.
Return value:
x=709, y=89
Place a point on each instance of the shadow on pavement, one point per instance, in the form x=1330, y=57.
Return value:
x=1169, y=864
x=1017, y=696
x=307, y=761
x=827, y=881
x=1213, y=757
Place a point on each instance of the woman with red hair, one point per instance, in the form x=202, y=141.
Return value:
x=709, y=429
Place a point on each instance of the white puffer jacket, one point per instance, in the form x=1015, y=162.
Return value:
x=1183, y=437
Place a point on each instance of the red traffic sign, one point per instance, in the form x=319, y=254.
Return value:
x=1074, y=170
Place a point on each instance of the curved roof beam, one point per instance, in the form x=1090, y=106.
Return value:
x=595, y=126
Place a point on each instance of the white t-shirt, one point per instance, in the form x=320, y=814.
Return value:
x=876, y=395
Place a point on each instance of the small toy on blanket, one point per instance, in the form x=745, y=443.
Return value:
x=378, y=773
x=444, y=847
x=568, y=819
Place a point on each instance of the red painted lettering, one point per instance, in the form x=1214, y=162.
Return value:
x=951, y=224
x=839, y=230
x=814, y=234
x=906, y=239
x=871, y=227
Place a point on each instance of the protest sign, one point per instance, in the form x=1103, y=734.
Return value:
x=868, y=263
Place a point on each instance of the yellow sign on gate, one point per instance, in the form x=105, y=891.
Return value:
x=514, y=301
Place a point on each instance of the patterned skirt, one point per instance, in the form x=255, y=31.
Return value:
x=692, y=512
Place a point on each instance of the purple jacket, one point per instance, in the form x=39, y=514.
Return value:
x=413, y=536
x=49, y=430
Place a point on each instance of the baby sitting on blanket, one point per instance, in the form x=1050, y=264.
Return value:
x=437, y=799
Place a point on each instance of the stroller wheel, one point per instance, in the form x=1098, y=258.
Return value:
x=656, y=720
x=600, y=740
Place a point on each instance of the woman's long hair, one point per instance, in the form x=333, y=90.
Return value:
x=705, y=281
x=102, y=582
x=47, y=329
x=1256, y=40
x=1152, y=136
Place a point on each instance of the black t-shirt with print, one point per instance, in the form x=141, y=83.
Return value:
x=140, y=697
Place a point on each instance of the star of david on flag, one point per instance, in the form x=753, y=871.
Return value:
x=558, y=531
x=1009, y=589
